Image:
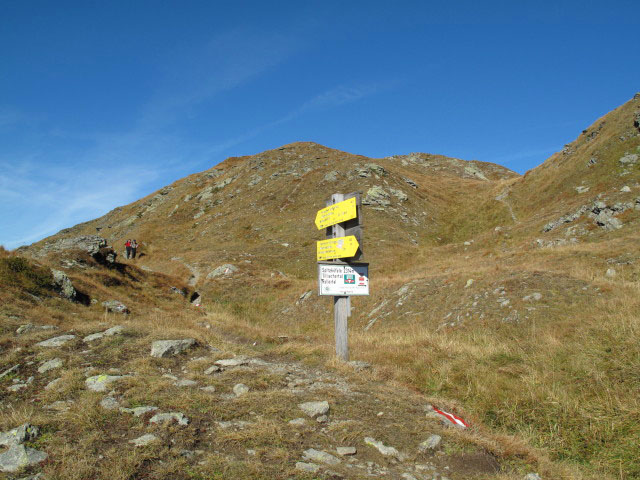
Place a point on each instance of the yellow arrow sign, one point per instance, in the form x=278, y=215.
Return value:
x=337, y=248
x=336, y=213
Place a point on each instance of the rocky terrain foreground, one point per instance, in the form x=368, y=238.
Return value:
x=123, y=400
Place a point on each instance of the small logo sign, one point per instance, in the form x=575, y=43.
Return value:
x=349, y=279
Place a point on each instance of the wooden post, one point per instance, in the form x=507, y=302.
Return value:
x=341, y=305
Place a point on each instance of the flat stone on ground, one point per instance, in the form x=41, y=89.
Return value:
x=315, y=409
x=138, y=411
x=56, y=341
x=18, y=457
x=430, y=443
x=232, y=362
x=383, y=449
x=24, y=433
x=118, y=329
x=163, y=418
x=321, y=457
x=144, y=440
x=307, y=467
x=346, y=451
x=240, y=389
x=50, y=365
x=100, y=383
x=168, y=348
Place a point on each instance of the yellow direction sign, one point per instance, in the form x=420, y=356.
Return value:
x=336, y=213
x=337, y=248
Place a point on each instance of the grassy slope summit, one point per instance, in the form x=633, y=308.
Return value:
x=512, y=300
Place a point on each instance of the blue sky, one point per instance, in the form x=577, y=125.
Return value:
x=102, y=103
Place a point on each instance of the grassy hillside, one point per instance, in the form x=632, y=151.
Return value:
x=513, y=300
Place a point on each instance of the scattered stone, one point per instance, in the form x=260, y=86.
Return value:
x=9, y=371
x=346, y=451
x=178, y=291
x=24, y=433
x=315, y=409
x=50, y=365
x=240, y=389
x=237, y=424
x=186, y=383
x=212, y=369
x=115, y=306
x=138, y=411
x=469, y=283
x=56, y=341
x=582, y=189
x=410, y=182
x=17, y=387
x=64, y=284
x=533, y=297
x=319, y=456
x=226, y=269
x=164, y=418
x=611, y=272
x=232, y=362
x=626, y=189
x=359, y=365
x=209, y=389
x=532, y=476
x=331, y=176
x=377, y=169
x=100, y=383
x=167, y=348
x=297, y=422
x=22, y=329
x=18, y=457
x=430, y=443
x=304, y=297
x=629, y=159
x=118, y=329
x=408, y=476
x=377, y=196
x=307, y=467
x=383, y=449
x=109, y=403
x=322, y=419
x=144, y=440
x=52, y=384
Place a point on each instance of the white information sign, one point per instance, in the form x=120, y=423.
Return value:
x=343, y=280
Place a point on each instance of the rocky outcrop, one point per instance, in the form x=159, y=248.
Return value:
x=87, y=243
x=168, y=348
x=64, y=284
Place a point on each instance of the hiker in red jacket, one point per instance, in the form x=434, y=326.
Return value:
x=127, y=247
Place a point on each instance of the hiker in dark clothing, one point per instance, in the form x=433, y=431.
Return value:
x=134, y=248
x=127, y=247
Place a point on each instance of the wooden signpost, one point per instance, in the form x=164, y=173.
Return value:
x=338, y=273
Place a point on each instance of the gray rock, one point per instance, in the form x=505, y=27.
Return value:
x=50, y=365
x=226, y=269
x=399, y=194
x=209, y=389
x=307, y=467
x=115, y=306
x=240, y=389
x=233, y=362
x=331, y=176
x=629, y=159
x=319, y=456
x=322, y=419
x=383, y=449
x=164, y=418
x=536, y=296
x=212, y=369
x=29, y=327
x=109, y=403
x=255, y=179
x=377, y=196
x=18, y=457
x=430, y=443
x=88, y=243
x=346, y=451
x=138, y=411
x=304, y=297
x=626, y=189
x=64, y=284
x=100, y=383
x=168, y=348
x=185, y=382
x=24, y=433
x=17, y=387
x=117, y=330
x=532, y=476
x=144, y=440
x=315, y=409
x=52, y=384
x=611, y=272
x=9, y=371
x=377, y=169
x=410, y=182
x=297, y=422
x=56, y=341
x=582, y=189
x=607, y=221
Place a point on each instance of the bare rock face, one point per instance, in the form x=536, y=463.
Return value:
x=87, y=243
x=168, y=348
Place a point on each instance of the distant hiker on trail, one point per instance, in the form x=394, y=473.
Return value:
x=134, y=248
x=127, y=247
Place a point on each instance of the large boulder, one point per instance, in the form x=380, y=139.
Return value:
x=18, y=457
x=115, y=306
x=64, y=284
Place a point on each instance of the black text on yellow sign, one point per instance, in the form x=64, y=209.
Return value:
x=340, y=247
